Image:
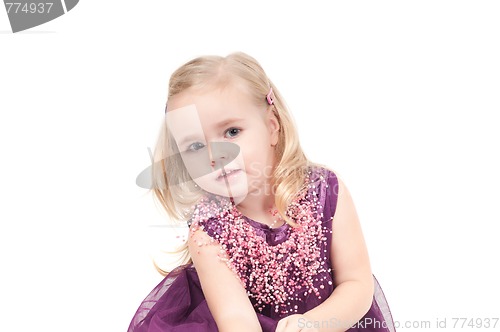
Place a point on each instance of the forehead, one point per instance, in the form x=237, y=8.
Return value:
x=211, y=105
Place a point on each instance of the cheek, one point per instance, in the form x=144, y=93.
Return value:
x=196, y=163
x=258, y=154
x=203, y=182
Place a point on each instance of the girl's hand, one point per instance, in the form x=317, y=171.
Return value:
x=296, y=323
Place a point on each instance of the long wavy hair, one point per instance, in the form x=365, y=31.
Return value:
x=172, y=185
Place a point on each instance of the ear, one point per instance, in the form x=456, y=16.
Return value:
x=274, y=126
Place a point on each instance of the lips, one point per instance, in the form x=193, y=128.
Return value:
x=227, y=173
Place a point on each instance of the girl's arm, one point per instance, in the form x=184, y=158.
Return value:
x=226, y=297
x=353, y=294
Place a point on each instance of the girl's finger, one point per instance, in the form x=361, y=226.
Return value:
x=281, y=325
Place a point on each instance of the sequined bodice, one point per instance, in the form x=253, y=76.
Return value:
x=281, y=268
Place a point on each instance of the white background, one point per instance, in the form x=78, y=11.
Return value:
x=399, y=97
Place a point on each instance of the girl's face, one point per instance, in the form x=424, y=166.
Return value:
x=221, y=131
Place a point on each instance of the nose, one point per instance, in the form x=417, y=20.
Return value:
x=222, y=153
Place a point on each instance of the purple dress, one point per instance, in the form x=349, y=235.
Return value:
x=285, y=270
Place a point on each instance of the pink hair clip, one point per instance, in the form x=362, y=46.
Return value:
x=270, y=97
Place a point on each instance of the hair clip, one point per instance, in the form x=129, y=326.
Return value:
x=270, y=97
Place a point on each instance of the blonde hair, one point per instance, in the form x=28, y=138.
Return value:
x=173, y=187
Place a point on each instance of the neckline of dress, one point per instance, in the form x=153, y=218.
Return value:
x=263, y=226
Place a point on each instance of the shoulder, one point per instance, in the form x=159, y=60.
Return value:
x=325, y=182
x=207, y=216
x=319, y=173
x=199, y=242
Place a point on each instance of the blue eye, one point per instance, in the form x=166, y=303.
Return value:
x=232, y=132
x=195, y=146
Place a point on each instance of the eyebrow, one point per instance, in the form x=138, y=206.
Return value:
x=227, y=122
x=190, y=138
x=222, y=124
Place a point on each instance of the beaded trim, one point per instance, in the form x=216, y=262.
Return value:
x=273, y=275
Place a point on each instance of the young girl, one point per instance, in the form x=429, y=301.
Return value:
x=274, y=240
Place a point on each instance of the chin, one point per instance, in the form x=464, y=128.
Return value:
x=237, y=189
x=236, y=192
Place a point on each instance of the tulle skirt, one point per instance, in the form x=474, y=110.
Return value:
x=177, y=304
